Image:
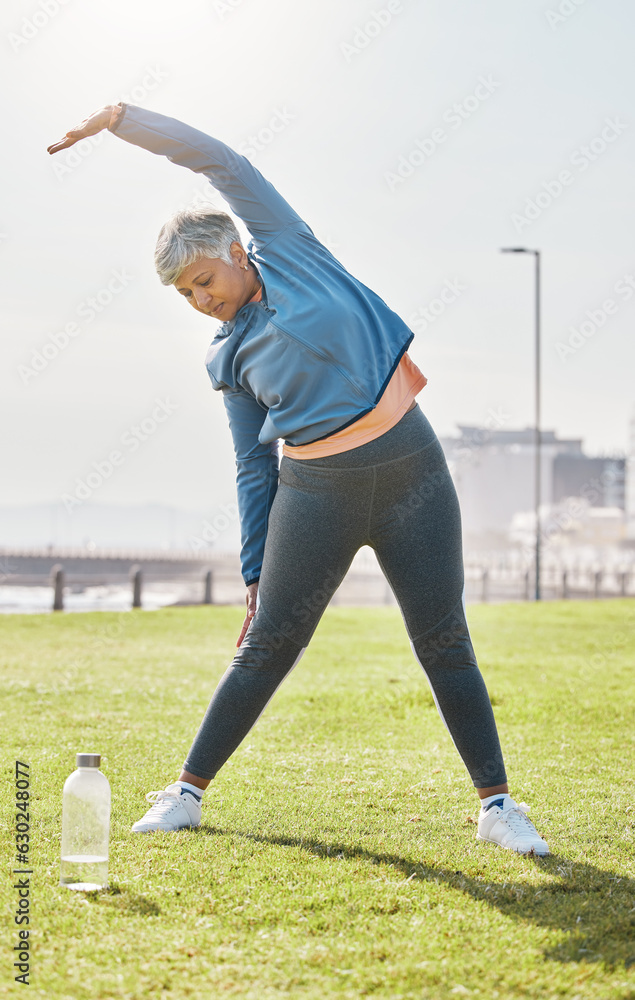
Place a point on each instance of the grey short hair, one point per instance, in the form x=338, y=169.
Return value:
x=191, y=234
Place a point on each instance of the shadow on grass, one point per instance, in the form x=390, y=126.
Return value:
x=595, y=908
x=124, y=901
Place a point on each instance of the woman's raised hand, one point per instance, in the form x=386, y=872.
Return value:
x=95, y=123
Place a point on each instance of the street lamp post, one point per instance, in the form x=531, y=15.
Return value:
x=537, y=476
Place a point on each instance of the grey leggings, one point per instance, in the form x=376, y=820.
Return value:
x=396, y=495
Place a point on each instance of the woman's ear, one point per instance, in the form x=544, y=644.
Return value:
x=238, y=254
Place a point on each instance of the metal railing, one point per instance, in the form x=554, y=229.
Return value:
x=215, y=579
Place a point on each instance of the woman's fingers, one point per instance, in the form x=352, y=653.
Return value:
x=246, y=624
x=74, y=135
x=251, y=599
x=62, y=144
x=71, y=138
x=95, y=123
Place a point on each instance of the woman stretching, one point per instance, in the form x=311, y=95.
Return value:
x=308, y=354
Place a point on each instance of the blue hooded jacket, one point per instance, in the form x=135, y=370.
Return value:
x=312, y=357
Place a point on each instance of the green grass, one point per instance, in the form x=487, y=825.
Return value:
x=337, y=855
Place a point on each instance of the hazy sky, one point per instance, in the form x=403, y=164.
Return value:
x=411, y=136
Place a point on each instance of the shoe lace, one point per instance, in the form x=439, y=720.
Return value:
x=163, y=801
x=517, y=819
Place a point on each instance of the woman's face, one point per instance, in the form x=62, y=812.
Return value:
x=218, y=289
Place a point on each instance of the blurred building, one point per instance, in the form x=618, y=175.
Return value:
x=494, y=473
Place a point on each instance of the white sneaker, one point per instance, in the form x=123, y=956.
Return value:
x=506, y=823
x=173, y=809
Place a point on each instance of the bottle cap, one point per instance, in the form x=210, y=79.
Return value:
x=88, y=759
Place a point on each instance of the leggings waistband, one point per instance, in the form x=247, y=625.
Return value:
x=410, y=435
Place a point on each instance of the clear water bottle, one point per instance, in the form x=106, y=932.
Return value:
x=85, y=826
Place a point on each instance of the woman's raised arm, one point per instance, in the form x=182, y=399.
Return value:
x=249, y=195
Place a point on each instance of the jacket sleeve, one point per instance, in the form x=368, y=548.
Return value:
x=252, y=198
x=256, y=479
